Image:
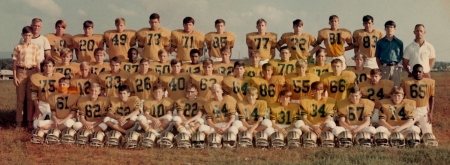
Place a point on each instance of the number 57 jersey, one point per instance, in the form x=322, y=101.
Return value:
x=94, y=111
x=317, y=110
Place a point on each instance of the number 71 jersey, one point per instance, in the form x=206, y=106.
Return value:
x=316, y=111
x=185, y=42
x=354, y=114
x=94, y=111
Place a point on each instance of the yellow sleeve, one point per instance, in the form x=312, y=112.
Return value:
x=232, y=38
x=382, y=113
x=273, y=113
x=141, y=38
x=262, y=109
x=273, y=41
x=231, y=106
x=173, y=39
x=132, y=35
x=147, y=106
x=249, y=41
x=356, y=38
x=165, y=37
x=313, y=41
x=200, y=40
x=241, y=111
x=208, y=40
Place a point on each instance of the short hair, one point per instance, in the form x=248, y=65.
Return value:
x=284, y=47
x=397, y=90
x=160, y=52
x=190, y=86
x=154, y=16
x=36, y=20
x=63, y=79
x=132, y=49
x=219, y=21
x=88, y=23
x=261, y=20
x=251, y=91
x=317, y=85
x=188, y=20
x=95, y=86
x=116, y=60
x=354, y=89
x=27, y=29
x=320, y=50
x=193, y=51
x=333, y=17
x=124, y=88
x=297, y=22
x=157, y=86
x=390, y=23
x=225, y=49
x=85, y=64
x=417, y=25
x=417, y=66
x=119, y=20
x=254, y=53
x=215, y=87
x=285, y=93
x=99, y=49
x=239, y=63
x=267, y=66
x=143, y=59
x=359, y=54
x=367, y=18
x=337, y=60
x=208, y=61
x=375, y=72
x=175, y=61
x=61, y=22
x=301, y=63
x=47, y=61
x=66, y=52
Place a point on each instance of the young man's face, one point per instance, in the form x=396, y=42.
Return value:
x=85, y=70
x=64, y=85
x=191, y=93
x=268, y=71
x=261, y=27
x=419, y=32
x=375, y=78
x=397, y=98
x=144, y=66
x=120, y=27
x=36, y=26
x=301, y=69
x=220, y=27
x=95, y=92
x=133, y=55
x=123, y=95
x=158, y=94
x=418, y=73
x=255, y=59
x=318, y=91
x=176, y=68
x=322, y=57
x=99, y=56
x=88, y=30
x=368, y=24
x=66, y=58
x=284, y=99
x=49, y=68
x=115, y=66
x=251, y=98
x=390, y=30
x=163, y=57
x=60, y=29
x=298, y=28
x=334, y=23
x=359, y=61
x=208, y=69
x=239, y=71
x=216, y=93
x=225, y=54
x=337, y=67
x=154, y=23
x=27, y=37
x=354, y=97
x=188, y=27
x=194, y=58
x=285, y=55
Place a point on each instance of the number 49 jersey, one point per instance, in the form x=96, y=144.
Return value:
x=262, y=43
x=118, y=43
x=152, y=41
x=397, y=114
x=300, y=86
x=250, y=113
x=316, y=111
x=215, y=42
x=42, y=87
x=204, y=82
x=117, y=107
x=63, y=104
x=354, y=114
x=189, y=108
x=94, y=111
x=220, y=111
x=175, y=84
x=158, y=108
x=85, y=46
x=285, y=115
x=337, y=86
x=141, y=85
x=419, y=90
x=376, y=92
x=185, y=42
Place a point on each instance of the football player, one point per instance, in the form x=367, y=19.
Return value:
x=254, y=69
x=284, y=114
x=67, y=68
x=119, y=41
x=225, y=66
x=397, y=114
x=297, y=42
x=364, y=41
x=123, y=110
x=215, y=41
x=132, y=63
x=220, y=112
x=111, y=80
x=252, y=112
x=206, y=79
x=162, y=66
x=59, y=40
x=194, y=66
x=235, y=85
x=153, y=39
x=175, y=82
x=99, y=66
x=362, y=73
x=157, y=116
x=269, y=86
x=92, y=110
x=85, y=79
x=421, y=90
x=335, y=39
x=140, y=83
x=285, y=65
x=300, y=83
x=320, y=66
x=262, y=41
x=337, y=82
x=86, y=43
x=186, y=39
x=189, y=111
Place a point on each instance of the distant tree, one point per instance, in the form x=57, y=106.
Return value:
x=6, y=64
x=311, y=59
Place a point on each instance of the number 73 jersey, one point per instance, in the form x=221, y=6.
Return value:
x=63, y=104
x=355, y=114
x=419, y=90
x=316, y=111
x=397, y=114
x=118, y=107
x=152, y=41
x=220, y=111
x=250, y=113
x=42, y=87
x=94, y=111
x=285, y=115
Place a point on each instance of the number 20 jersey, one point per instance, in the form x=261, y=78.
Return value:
x=419, y=90
x=355, y=114
x=317, y=110
x=94, y=111
x=85, y=46
x=397, y=114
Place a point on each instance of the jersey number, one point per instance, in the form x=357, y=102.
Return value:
x=162, y=69
x=298, y=44
x=203, y=81
x=157, y=38
x=263, y=90
x=371, y=92
x=303, y=88
x=285, y=117
x=333, y=38
x=67, y=72
x=289, y=68
x=123, y=111
x=258, y=42
x=158, y=112
x=127, y=67
x=400, y=113
x=366, y=41
x=92, y=111
x=86, y=86
x=188, y=40
x=147, y=84
x=122, y=38
x=110, y=84
x=335, y=86
x=254, y=114
x=225, y=71
x=179, y=85
x=217, y=113
x=190, y=110
x=321, y=110
x=219, y=42
x=89, y=45
x=417, y=91
x=58, y=47
x=51, y=84
x=61, y=103
x=352, y=115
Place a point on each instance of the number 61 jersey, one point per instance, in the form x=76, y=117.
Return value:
x=42, y=86
x=62, y=104
x=397, y=114
x=94, y=111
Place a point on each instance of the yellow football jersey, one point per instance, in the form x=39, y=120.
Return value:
x=141, y=85
x=158, y=108
x=366, y=42
x=298, y=44
x=94, y=111
x=152, y=41
x=192, y=68
x=130, y=67
x=397, y=114
x=310, y=108
x=377, y=92
x=300, y=86
x=235, y=87
x=84, y=84
x=85, y=46
x=361, y=75
x=251, y=112
x=251, y=71
x=160, y=68
x=223, y=69
x=44, y=86
x=268, y=90
x=215, y=42
x=100, y=68
x=189, y=108
x=118, y=44
x=334, y=40
x=118, y=107
x=354, y=114
x=69, y=71
x=57, y=43
x=337, y=86
x=262, y=43
x=283, y=68
x=62, y=104
x=419, y=90
x=220, y=111
x=111, y=82
x=319, y=70
x=175, y=84
x=185, y=42
x=285, y=115
x=204, y=83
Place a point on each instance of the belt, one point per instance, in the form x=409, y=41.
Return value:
x=24, y=68
x=390, y=64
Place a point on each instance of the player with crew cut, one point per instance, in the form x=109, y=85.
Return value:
x=140, y=83
x=298, y=43
x=205, y=80
x=86, y=43
x=189, y=110
x=285, y=65
x=194, y=66
x=186, y=39
x=215, y=41
x=225, y=66
x=175, y=82
x=111, y=80
x=262, y=41
x=300, y=82
x=153, y=39
x=99, y=66
x=120, y=40
x=320, y=66
x=364, y=41
x=85, y=79
x=67, y=68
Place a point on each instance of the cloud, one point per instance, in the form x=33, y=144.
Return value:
x=81, y=12
x=46, y=6
x=121, y=11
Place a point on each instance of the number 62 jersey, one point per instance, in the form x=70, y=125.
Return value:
x=94, y=111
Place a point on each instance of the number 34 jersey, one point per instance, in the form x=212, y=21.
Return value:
x=285, y=115
x=316, y=111
x=251, y=112
x=397, y=114
x=354, y=114
x=117, y=107
x=42, y=86
x=220, y=111
x=63, y=104
x=419, y=90
x=94, y=111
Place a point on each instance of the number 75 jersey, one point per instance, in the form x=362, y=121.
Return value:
x=354, y=114
x=316, y=111
x=42, y=87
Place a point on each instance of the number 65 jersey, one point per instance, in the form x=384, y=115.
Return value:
x=317, y=110
x=42, y=86
x=94, y=111
x=397, y=114
x=419, y=90
x=355, y=113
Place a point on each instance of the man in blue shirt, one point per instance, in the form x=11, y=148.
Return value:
x=389, y=52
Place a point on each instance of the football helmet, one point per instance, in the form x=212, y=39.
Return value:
x=293, y=139
x=113, y=138
x=166, y=140
x=198, y=139
x=245, y=139
x=214, y=140
x=183, y=140
x=83, y=137
x=229, y=140
x=68, y=136
x=37, y=136
x=397, y=140
x=412, y=139
x=277, y=140
x=326, y=139
x=363, y=139
x=53, y=136
x=345, y=139
x=262, y=140
x=97, y=139
x=148, y=139
x=132, y=139
x=381, y=139
x=309, y=140
x=428, y=139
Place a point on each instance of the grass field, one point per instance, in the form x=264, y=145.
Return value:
x=16, y=148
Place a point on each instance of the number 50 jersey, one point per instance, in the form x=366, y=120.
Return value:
x=94, y=111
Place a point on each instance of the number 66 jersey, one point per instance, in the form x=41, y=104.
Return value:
x=94, y=111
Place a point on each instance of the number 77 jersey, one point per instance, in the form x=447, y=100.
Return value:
x=419, y=90
x=355, y=114
x=316, y=111
x=262, y=43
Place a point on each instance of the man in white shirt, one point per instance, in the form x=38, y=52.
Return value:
x=39, y=40
x=419, y=52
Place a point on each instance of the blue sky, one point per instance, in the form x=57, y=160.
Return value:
x=239, y=15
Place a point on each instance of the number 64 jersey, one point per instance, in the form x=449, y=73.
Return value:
x=94, y=111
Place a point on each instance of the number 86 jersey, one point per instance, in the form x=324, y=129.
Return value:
x=94, y=111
